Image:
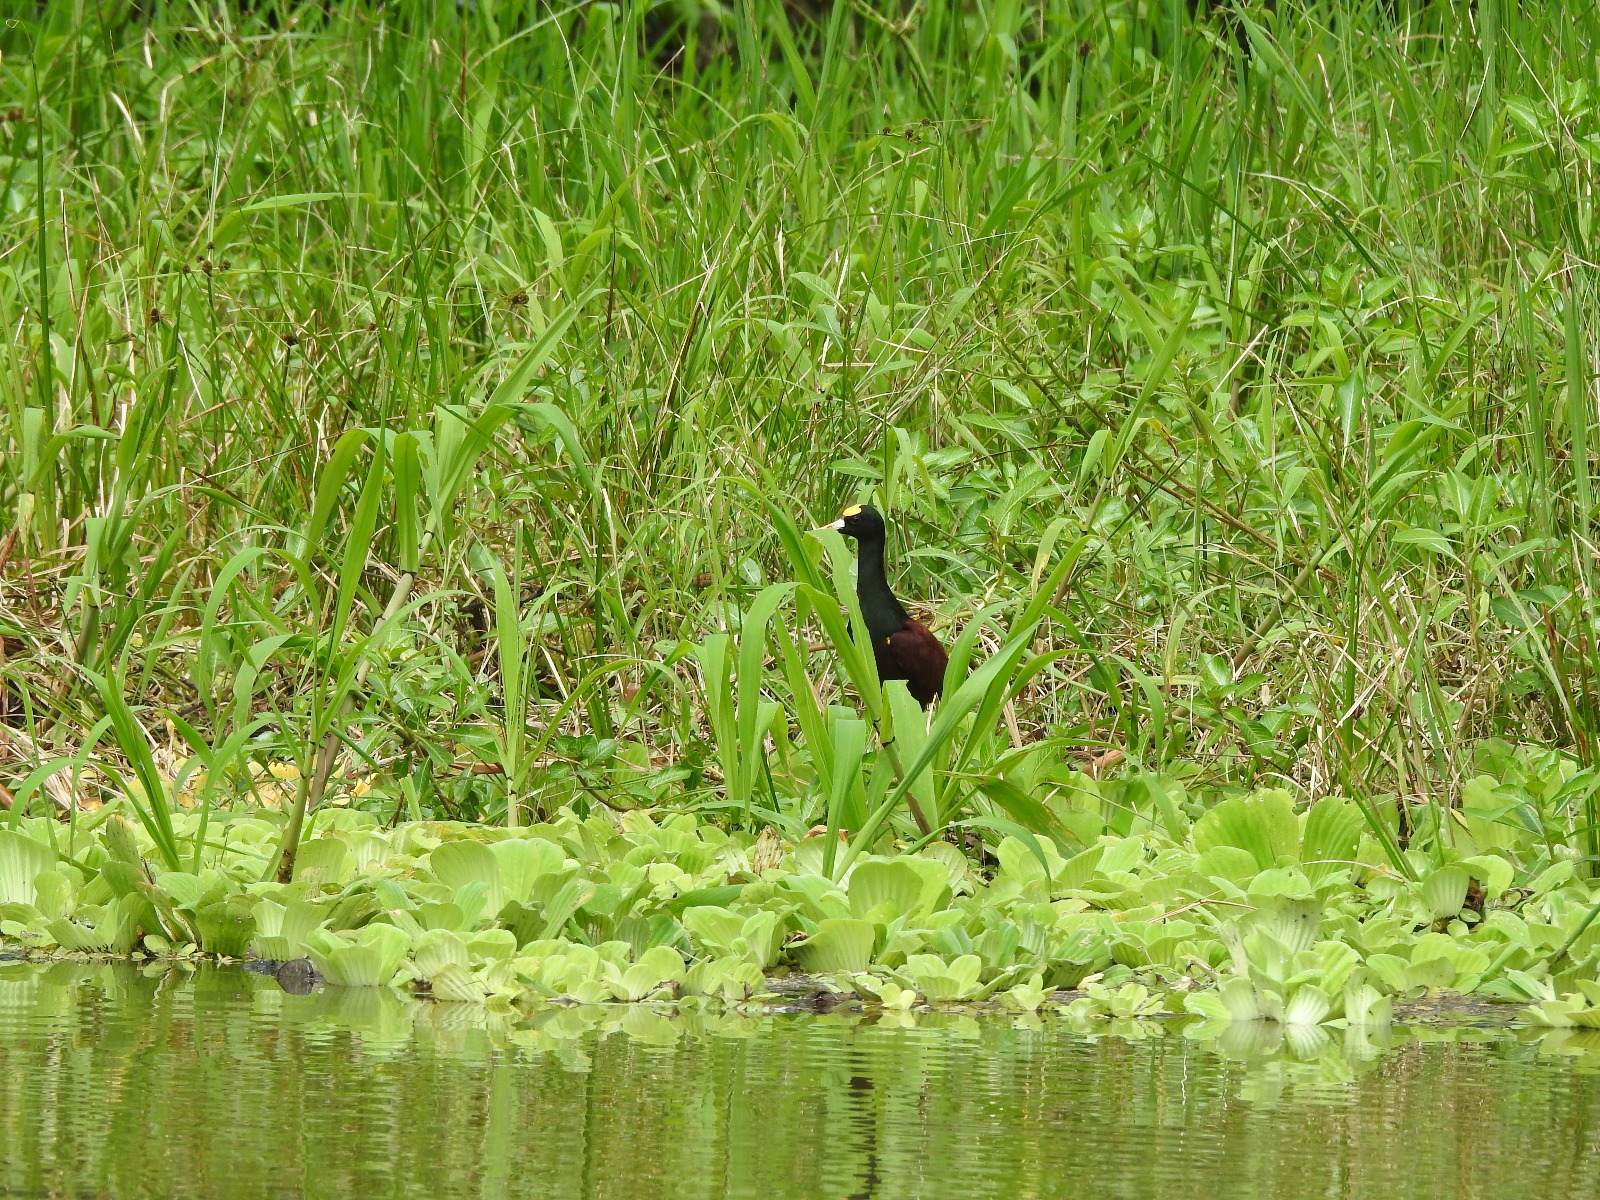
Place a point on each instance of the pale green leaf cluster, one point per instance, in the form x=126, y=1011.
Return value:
x=1262, y=911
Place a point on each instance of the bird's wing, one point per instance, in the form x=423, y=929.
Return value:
x=920, y=657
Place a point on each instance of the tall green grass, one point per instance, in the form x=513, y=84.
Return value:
x=417, y=392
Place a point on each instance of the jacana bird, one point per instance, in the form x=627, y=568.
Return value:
x=905, y=648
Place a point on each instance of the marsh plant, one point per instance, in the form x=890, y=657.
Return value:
x=414, y=415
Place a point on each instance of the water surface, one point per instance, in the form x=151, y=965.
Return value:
x=117, y=1081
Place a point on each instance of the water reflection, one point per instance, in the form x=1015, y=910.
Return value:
x=126, y=1080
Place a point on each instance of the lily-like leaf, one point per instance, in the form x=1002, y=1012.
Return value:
x=837, y=945
x=21, y=861
x=369, y=958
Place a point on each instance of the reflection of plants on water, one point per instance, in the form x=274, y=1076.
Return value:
x=1307, y=1060
x=1581, y=1045
x=1274, y=1061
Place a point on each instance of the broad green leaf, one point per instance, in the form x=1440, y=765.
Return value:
x=837, y=945
x=892, y=889
x=21, y=861
x=368, y=958
x=1263, y=824
x=460, y=864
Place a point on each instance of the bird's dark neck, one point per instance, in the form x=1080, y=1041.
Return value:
x=879, y=608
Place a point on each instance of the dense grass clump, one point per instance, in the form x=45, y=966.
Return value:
x=418, y=408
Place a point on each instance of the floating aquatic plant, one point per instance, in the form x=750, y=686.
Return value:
x=1129, y=1000
x=370, y=957
x=1576, y=1010
x=1247, y=916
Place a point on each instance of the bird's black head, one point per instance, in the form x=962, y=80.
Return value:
x=860, y=521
